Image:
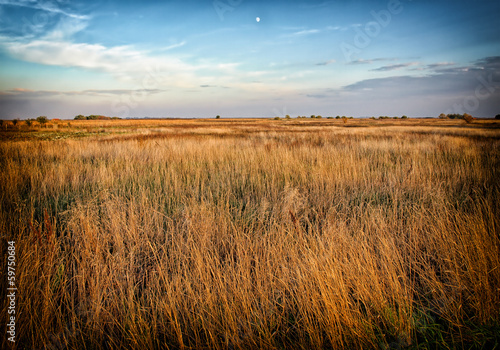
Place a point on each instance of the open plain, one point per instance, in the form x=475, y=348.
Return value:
x=253, y=233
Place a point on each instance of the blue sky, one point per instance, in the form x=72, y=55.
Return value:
x=243, y=58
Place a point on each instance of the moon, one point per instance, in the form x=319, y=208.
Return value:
x=257, y=19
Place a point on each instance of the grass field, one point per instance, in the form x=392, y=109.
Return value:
x=243, y=234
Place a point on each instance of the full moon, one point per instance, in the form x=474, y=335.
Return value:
x=257, y=19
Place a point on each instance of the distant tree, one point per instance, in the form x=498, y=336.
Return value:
x=42, y=120
x=497, y=116
x=337, y=117
x=395, y=117
x=329, y=118
x=15, y=121
x=80, y=117
x=443, y=116
x=468, y=118
x=287, y=116
x=217, y=117
x=2, y=123
x=404, y=117
x=319, y=117
x=29, y=122
x=277, y=118
x=313, y=116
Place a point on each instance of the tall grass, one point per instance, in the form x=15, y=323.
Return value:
x=345, y=238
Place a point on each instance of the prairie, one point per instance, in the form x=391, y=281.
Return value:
x=242, y=234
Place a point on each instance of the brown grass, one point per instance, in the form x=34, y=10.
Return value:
x=255, y=234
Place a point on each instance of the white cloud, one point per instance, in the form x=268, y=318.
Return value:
x=47, y=6
x=123, y=62
x=307, y=32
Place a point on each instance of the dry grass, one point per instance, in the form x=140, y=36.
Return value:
x=256, y=234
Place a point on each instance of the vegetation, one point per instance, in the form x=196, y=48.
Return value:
x=255, y=234
x=94, y=117
x=467, y=117
x=42, y=120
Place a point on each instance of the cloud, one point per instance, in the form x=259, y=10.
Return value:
x=173, y=46
x=306, y=32
x=124, y=62
x=47, y=6
x=27, y=93
x=439, y=65
x=393, y=67
x=370, y=61
x=325, y=63
x=317, y=96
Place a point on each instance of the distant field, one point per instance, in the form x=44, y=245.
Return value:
x=253, y=233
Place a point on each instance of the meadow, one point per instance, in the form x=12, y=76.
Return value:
x=247, y=234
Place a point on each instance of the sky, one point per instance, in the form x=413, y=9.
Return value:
x=244, y=58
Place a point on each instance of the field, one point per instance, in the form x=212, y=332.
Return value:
x=244, y=234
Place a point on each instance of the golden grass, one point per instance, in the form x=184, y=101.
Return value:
x=256, y=234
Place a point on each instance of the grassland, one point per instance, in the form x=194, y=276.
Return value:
x=242, y=234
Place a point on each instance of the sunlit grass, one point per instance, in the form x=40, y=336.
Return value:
x=256, y=234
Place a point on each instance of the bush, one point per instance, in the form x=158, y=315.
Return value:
x=468, y=118
x=497, y=116
x=277, y=118
x=42, y=120
x=217, y=117
x=404, y=117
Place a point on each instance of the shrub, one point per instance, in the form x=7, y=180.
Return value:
x=404, y=117
x=42, y=120
x=497, y=116
x=217, y=117
x=468, y=118
x=313, y=116
x=277, y=118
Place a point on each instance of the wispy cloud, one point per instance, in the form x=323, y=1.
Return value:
x=325, y=63
x=394, y=67
x=48, y=6
x=306, y=32
x=28, y=93
x=370, y=61
x=124, y=62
